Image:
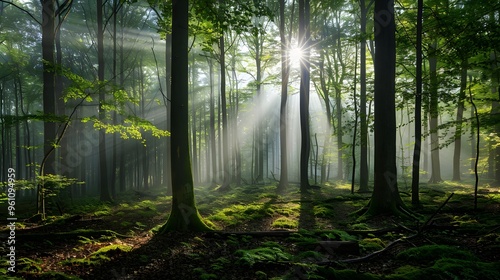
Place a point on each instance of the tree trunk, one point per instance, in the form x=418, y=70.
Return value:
x=196, y=175
x=184, y=215
x=434, y=112
x=49, y=82
x=103, y=170
x=284, y=96
x=415, y=181
x=458, y=128
x=385, y=197
x=305, y=148
x=363, y=158
x=225, y=138
x=213, y=155
x=168, y=143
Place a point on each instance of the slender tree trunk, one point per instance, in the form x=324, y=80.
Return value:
x=363, y=158
x=284, y=96
x=434, y=112
x=225, y=138
x=168, y=85
x=103, y=170
x=305, y=148
x=415, y=188
x=323, y=74
x=495, y=111
x=458, y=128
x=193, y=120
x=49, y=82
x=212, y=125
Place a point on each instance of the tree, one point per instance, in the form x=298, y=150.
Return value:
x=184, y=215
x=304, y=37
x=418, y=110
x=385, y=197
x=363, y=161
x=434, y=113
x=49, y=82
x=284, y=96
x=225, y=138
x=105, y=195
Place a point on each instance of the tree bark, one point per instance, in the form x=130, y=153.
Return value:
x=385, y=197
x=105, y=195
x=415, y=181
x=458, y=128
x=434, y=112
x=49, y=82
x=284, y=96
x=184, y=215
x=305, y=148
x=363, y=158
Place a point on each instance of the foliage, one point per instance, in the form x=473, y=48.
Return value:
x=467, y=268
x=285, y=222
x=102, y=255
x=29, y=265
x=431, y=253
x=265, y=254
x=371, y=244
x=237, y=214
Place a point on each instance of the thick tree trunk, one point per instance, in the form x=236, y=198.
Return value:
x=385, y=197
x=225, y=137
x=184, y=215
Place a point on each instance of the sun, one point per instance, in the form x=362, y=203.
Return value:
x=296, y=54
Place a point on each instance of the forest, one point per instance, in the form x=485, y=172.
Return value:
x=216, y=139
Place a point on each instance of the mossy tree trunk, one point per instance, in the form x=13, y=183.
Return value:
x=184, y=215
x=385, y=197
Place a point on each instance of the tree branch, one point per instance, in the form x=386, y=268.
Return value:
x=22, y=9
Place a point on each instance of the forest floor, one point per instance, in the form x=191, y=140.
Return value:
x=261, y=235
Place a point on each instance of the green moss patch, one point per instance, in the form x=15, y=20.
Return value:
x=430, y=253
x=285, y=222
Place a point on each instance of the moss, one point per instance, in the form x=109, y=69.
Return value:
x=360, y=226
x=409, y=272
x=252, y=256
x=285, y=222
x=371, y=244
x=345, y=274
x=98, y=257
x=113, y=249
x=309, y=256
x=468, y=269
x=238, y=214
x=322, y=211
x=430, y=253
x=260, y=275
